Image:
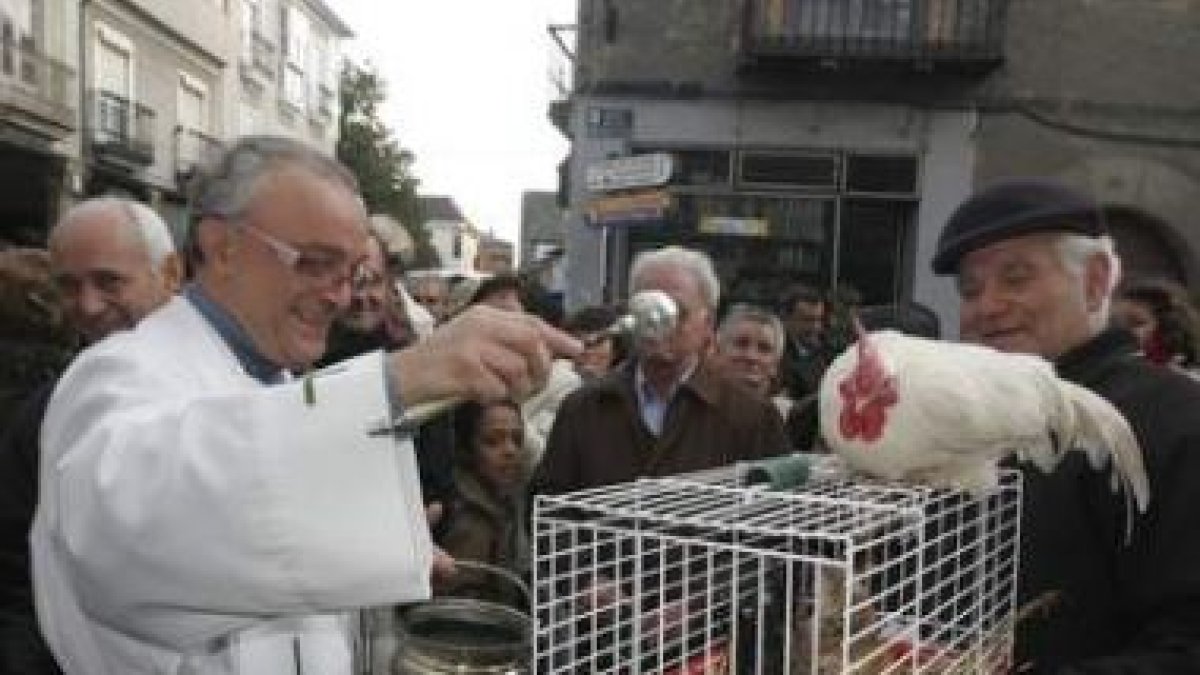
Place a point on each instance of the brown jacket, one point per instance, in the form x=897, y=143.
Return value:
x=488, y=528
x=599, y=438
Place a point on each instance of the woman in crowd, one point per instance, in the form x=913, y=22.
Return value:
x=36, y=343
x=35, y=340
x=509, y=292
x=489, y=519
x=600, y=355
x=1162, y=317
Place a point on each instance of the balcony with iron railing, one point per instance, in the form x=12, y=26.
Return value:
x=955, y=36
x=560, y=75
x=261, y=54
x=194, y=150
x=119, y=129
x=259, y=61
x=325, y=103
x=35, y=85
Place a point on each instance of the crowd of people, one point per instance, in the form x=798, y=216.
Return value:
x=206, y=490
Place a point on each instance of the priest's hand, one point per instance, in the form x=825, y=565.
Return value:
x=482, y=354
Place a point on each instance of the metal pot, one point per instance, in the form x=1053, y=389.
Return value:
x=465, y=636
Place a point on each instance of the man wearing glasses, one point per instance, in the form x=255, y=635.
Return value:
x=668, y=410
x=210, y=506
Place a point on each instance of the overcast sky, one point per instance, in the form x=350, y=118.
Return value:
x=468, y=88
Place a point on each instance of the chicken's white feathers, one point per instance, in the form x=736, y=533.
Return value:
x=959, y=408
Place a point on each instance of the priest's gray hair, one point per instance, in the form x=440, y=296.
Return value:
x=695, y=263
x=1074, y=252
x=143, y=221
x=226, y=189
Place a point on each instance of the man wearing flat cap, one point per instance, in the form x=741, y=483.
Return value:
x=1036, y=270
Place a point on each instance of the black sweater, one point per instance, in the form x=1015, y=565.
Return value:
x=22, y=650
x=1125, y=607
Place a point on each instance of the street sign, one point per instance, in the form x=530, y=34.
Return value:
x=640, y=208
x=738, y=227
x=622, y=173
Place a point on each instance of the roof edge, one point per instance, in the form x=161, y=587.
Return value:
x=327, y=15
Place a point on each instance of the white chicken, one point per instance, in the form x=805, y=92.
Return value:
x=901, y=407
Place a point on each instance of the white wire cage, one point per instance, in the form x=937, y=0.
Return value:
x=703, y=573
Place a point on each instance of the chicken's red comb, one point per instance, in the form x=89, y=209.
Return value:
x=860, y=332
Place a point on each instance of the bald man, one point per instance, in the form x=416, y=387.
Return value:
x=114, y=262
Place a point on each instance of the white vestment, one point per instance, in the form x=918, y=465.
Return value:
x=194, y=520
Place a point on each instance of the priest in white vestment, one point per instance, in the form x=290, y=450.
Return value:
x=209, y=506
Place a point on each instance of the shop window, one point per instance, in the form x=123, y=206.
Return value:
x=873, y=248
x=790, y=170
x=881, y=174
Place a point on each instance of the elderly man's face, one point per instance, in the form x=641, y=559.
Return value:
x=669, y=357
x=750, y=352
x=370, y=296
x=1018, y=297
x=433, y=295
x=105, y=275
x=286, y=267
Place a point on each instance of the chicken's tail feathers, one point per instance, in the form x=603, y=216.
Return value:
x=1103, y=433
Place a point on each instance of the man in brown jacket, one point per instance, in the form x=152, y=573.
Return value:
x=667, y=410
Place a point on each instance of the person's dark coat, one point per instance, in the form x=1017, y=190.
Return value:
x=802, y=425
x=489, y=528
x=22, y=649
x=1122, y=607
x=801, y=367
x=599, y=437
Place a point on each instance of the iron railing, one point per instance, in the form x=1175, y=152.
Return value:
x=326, y=101
x=194, y=150
x=121, y=128
x=262, y=53
x=965, y=33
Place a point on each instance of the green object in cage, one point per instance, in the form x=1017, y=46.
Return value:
x=780, y=473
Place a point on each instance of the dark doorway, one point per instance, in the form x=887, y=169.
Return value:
x=873, y=242
x=28, y=182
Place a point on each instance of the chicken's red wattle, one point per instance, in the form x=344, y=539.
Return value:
x=864, y=415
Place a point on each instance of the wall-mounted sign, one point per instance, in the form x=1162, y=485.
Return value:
x=649, y=170
x=639, y=208
x=739, y=227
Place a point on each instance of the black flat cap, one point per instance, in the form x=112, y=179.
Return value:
x=1013, y=208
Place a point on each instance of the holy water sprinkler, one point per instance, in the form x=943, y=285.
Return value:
x=651, y=315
